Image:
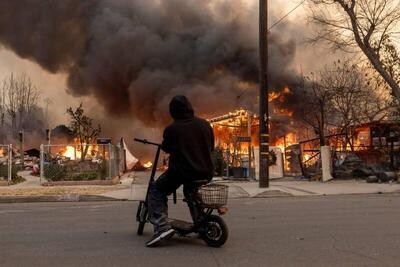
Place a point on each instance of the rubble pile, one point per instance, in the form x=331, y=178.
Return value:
x=350, y=167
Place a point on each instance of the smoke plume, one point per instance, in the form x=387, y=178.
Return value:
x=134, y=55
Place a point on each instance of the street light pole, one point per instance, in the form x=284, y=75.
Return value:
x=264, y=114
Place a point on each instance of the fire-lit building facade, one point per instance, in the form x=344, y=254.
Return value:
x=233, y=131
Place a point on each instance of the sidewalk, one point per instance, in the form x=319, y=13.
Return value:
x=306, y=188
x=136, y=187
x=31, y=180
x=133, y=186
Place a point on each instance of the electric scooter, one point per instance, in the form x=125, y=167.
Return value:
x=202, y=199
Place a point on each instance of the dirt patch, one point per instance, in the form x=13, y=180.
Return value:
x=273, y=193
x=3, y=183
x=74, y=183
x=55, y=191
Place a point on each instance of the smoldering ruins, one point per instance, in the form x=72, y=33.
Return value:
x=132, y=56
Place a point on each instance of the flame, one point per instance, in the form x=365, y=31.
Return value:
x=307, y=157
x=69, y=152
x=2, y=152
x=283, y=111
x=273, y=96
x=286, y=90
x=286, y=141
x=74, y=152
x=280, y=96
x=148, y=165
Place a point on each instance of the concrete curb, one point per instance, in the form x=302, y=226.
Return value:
x=57, y=198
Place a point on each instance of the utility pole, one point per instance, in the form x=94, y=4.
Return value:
x=47, y=101
x=249, y=117
x=264, y=114
x=21, y=145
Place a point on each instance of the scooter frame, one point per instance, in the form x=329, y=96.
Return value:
x=142, y=212
x=201, y=216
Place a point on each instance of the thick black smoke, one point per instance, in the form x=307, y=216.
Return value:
x=134, y=55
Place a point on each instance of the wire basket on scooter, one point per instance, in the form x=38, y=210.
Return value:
x=213, y=196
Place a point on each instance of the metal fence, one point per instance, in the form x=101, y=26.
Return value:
x=6, y=162
x=73, y=162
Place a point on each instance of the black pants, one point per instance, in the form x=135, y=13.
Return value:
x=165, y=185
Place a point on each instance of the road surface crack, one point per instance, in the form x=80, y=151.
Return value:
x=356, y=253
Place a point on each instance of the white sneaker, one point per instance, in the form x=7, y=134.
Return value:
x=157, y=238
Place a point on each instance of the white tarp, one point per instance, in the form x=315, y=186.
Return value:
x=131, y=160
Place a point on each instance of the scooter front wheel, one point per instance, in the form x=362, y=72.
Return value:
x=215, y=231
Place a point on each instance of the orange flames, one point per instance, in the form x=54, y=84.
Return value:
x=148, y=165
x=70, y=153
x=74, y=152
x=286, y=141
x=280, y=96
x=273, y=96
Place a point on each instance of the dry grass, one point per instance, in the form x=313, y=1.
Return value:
x=55, y=191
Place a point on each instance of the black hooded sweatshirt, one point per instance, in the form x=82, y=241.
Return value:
x=189, y=141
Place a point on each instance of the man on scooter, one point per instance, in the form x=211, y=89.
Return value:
x=189, y=140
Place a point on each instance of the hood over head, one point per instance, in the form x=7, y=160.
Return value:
x=180, y=108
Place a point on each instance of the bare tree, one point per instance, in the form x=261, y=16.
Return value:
x=21, y=98
x=3, y=112
x=341, y=97
x=368, y=25
x=317, y=107
x=346, y=85
x=355, y=98
x=377, y=104
x=83, y=128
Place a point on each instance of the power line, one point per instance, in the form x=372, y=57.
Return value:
x=286, y=15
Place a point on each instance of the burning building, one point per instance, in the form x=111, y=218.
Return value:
x=237, y=132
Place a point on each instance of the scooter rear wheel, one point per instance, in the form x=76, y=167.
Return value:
x=141, y=228
x=141, y=217
x=215, y=231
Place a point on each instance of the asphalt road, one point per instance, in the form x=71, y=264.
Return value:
x=308, y=231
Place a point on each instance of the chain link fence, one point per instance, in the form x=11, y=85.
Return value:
x=6, y=163
x=72, y=162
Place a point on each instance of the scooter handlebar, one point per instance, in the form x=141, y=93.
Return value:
x=144, y=141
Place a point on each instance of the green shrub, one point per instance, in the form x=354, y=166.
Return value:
x=84, y=176
x=219, y=162
x=103, y=170
x=18, y=179
x=4, y=172
x=55, y=172
x=76, y=172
